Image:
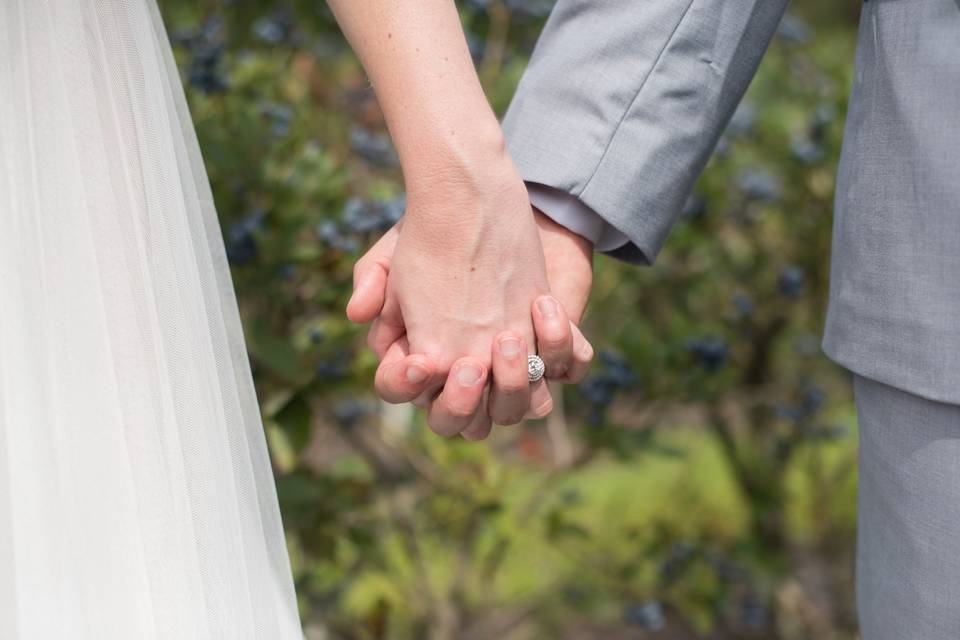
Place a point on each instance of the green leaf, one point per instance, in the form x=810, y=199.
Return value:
x=294, y=419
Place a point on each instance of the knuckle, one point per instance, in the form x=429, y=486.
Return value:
x=509, y=333
x=554, y=341
x=512, y=388
x=459, y=410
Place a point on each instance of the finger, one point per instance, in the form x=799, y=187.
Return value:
x=425, y=399
x=401, y=377
x=582, y=357
x=387, y=328
x=554, y=338
x=382, y=334
x=541, y=402
x=510, y=387
x=454, y=409
x=481, y=425
x=370, y=279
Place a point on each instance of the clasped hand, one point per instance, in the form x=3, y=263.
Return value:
x=459, y=292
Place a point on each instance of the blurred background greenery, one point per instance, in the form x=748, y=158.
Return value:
x=699, y=484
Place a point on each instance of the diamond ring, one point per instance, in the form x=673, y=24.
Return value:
x=535, y=368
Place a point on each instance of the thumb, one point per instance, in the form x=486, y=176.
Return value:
x=370, y=279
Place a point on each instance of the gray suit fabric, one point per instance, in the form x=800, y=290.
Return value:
x=908, y=550
x=624, y=101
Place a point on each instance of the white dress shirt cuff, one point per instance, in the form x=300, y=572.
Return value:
x=568, y=211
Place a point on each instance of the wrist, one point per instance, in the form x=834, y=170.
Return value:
x=466, y=183
x=468, y=158
x=553, y=231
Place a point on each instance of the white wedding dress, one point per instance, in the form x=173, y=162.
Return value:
x=136, y=493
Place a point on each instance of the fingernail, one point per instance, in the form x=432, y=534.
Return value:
x=468, y=375
x=416, y=374
x=547, y=307
x=509, y=347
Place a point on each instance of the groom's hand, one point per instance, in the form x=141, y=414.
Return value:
x=402, y=377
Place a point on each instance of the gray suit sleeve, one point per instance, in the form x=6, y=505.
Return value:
x=624, y=100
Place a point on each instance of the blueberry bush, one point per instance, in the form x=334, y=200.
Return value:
x=699, y=483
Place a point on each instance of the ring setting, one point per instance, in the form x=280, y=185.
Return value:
x=535, y=367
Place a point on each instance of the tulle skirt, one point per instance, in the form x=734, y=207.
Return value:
x=136, y=493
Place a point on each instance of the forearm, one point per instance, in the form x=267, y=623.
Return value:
x=416, y=56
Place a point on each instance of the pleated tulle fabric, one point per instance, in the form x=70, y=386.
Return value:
x=136, y=493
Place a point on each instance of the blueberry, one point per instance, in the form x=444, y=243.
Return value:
x=268, y=30
x=207, y=48
x=288, y=272
x=207, y=53
x=183, y=38
x=823, y=117
x=787, y=413
x=240, y=243
x=618, y=370
x=361, y=217
x=329, y=233
x=759, y=185
x=743, y=304
x=710, y=353
x=679, y=558
x=812, y=398
x=336, y=367
x=790, y=282
x=694, y=209
x=209, y=81
x=743, y=120
x=806, y=151
x=280, y=116
x=394, y=209
x=793, y=30
x=212, y=28
x=348, y=412
x=598, y=390
x=648, y=615
x=726, y=570
x=375, y=149
x=753, y=612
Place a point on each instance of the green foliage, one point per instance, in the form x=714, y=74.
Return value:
x=692, y=485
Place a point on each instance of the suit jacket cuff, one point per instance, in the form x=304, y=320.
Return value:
x=568, y=211
x=626, y=119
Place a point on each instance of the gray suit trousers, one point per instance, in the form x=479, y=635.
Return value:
x=908, y=547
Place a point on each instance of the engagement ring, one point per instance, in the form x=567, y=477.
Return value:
x=535, y=368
